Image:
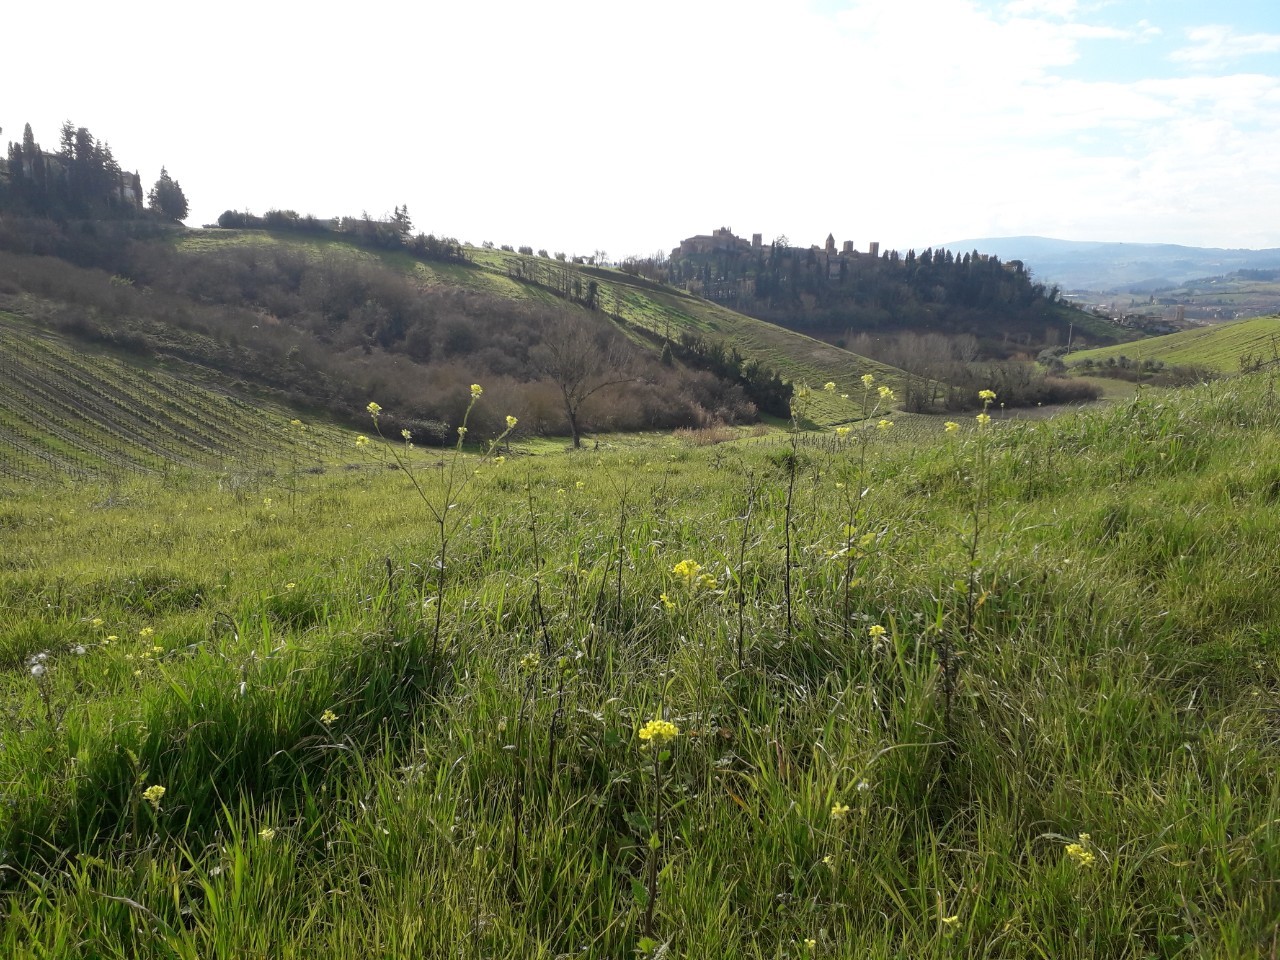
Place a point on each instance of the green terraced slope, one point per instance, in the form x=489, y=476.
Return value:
x=1221, y=347
x=72, y=412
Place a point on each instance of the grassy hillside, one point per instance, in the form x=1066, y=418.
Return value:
x=1220, y=347
x=633, y=302
x=1006, y=691
x=71, y=411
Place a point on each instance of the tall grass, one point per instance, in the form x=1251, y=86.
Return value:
x=343, y=780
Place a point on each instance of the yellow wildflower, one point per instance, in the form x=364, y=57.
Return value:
x=499, y=459
x=983, y=418
x=810, y=943
x=462, y=432
x=689, y=569
x=362, y=441
x=986, y=396
x=951, y=426
x=884, y=425
x=886, y=394
x=145, y=632
x=291, y=585
x=373, y=409
x=1080, y=852
x=511, y=422
x=876, y=631
x=476, y=390
x=868, y=380
x=153, y=794
x=296, y=424
x=658, y=731
x=829, y=386
x=406, y=435
x=96, y=622
x=667, y=602
x=843, y=432
x=839, y=811
x=267, y=834
x=328, y=718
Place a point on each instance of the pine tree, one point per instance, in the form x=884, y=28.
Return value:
x=167, y=199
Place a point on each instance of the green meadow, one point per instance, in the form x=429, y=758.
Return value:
x=1226, y=347
x=1007, y=689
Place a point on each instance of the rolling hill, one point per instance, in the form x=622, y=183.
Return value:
x=1094, y=265
x=1225, y=347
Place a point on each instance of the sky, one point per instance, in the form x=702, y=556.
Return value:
x=585, y=125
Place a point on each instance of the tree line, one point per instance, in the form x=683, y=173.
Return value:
x=81, y=180
x=833, y=296
x=395, y=233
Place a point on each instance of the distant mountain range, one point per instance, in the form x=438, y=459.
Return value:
x=1140, y=267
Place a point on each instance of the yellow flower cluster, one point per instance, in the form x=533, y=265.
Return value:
x=986, y=396
x=692, y=573
x=843, y=432
x=829, y=386
x=876, y=631
x=476, y=390
x=868, y=380
x=884, y=425
x=1080, y=852
x=951, y=426
x=511, y=422
x=328, y=718
x=839, y=811
x=373, y=409
x=153, y=794
x=657, y=732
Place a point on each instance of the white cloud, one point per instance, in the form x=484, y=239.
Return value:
x=576, y=125
x=1218, y=44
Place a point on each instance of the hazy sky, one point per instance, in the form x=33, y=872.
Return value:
x=589, y=125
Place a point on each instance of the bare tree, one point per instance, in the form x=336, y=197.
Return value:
x=582, y=358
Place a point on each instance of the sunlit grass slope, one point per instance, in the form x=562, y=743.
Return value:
x=1220, y=346
x=72, y=411
x=307, y=728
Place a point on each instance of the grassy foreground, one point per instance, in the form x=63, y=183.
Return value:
x=1019, y=699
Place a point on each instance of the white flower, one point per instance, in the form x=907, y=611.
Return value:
x=79, y=651
x=38, y=670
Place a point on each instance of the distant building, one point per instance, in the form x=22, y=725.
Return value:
x=718, y=240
